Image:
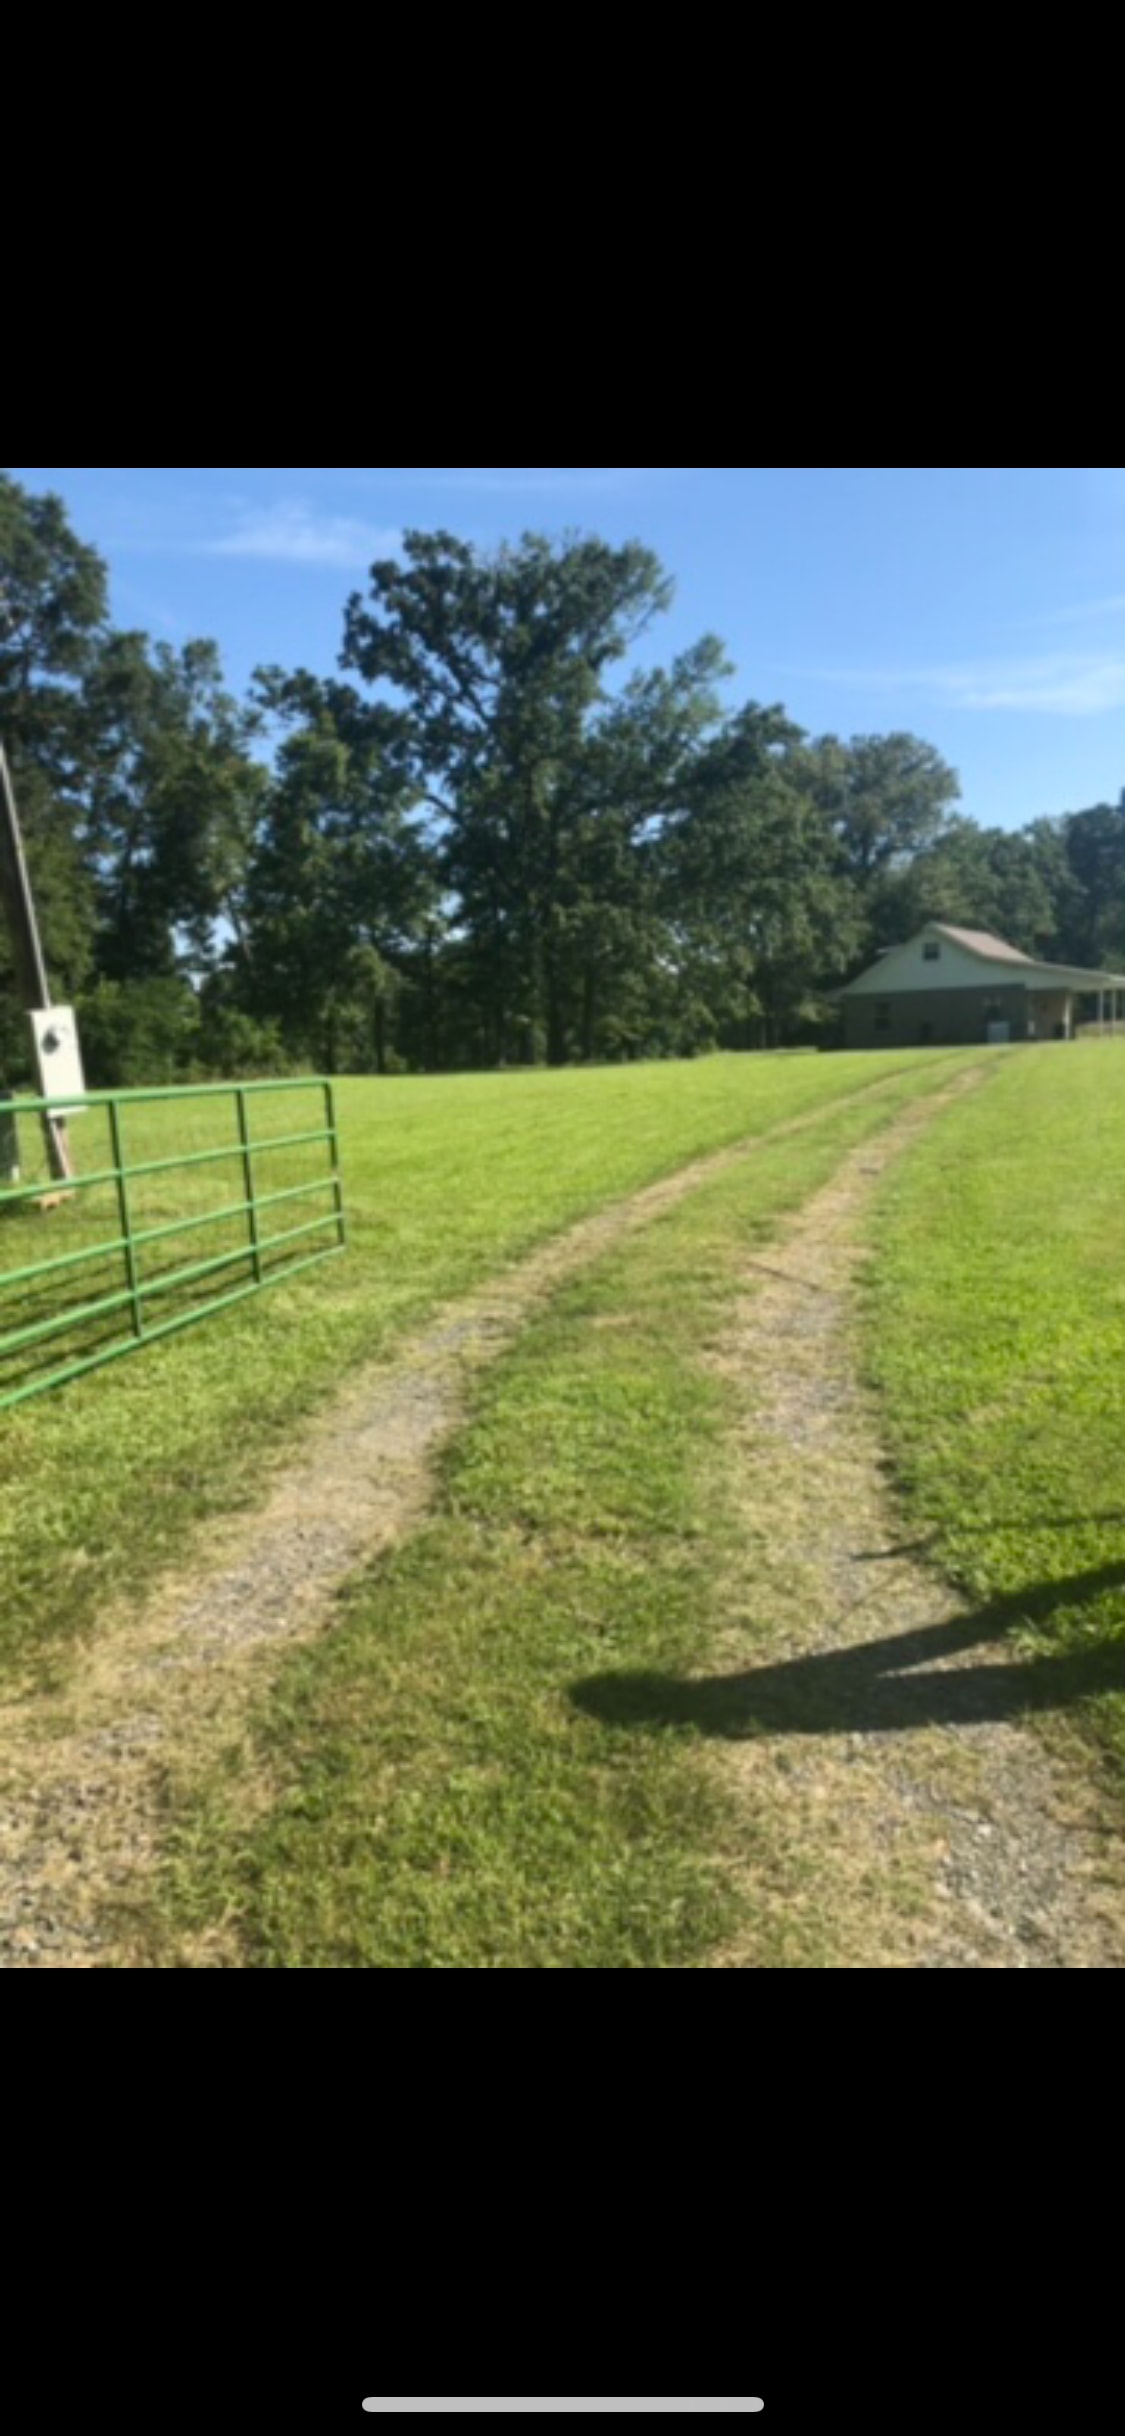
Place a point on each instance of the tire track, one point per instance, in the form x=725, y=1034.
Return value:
x=84, y=1775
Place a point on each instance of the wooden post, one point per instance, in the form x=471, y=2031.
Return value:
x=18, y=906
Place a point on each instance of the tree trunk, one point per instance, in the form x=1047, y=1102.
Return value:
x=589, y=1008
x=556, y=1027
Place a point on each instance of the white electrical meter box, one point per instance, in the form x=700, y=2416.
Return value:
x=58, y=1058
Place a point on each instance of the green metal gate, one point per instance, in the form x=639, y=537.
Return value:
x=157, y=1166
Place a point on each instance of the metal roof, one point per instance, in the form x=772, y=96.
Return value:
x=991, y=950
x=983, y=943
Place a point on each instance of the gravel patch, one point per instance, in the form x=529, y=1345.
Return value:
x=894, y=1817
x=85, y=1775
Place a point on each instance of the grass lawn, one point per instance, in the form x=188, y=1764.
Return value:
x=423, y=1787
x=997, y=1339
x=445, y=1180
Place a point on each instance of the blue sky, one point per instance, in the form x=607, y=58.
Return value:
x=982, y=606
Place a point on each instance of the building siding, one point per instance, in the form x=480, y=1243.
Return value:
x=909, y=968
x=951, y=997
x=940, y=1018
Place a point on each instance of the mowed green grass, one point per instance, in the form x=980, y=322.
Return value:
x=445, y=1180
x=997, y=1339
x=427, y=1785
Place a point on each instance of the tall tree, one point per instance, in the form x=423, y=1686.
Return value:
x=340, y=882
x=762, y=912
x=625, y=784
x=987, y=879
x=173, y=800
x=886, y=799
x=1095, y=852
x=502, y=661
x=52, y=616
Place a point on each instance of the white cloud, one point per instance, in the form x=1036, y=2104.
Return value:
x=1072, y=684
x=1076, y=685
x=294, y=534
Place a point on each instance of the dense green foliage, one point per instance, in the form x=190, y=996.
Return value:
x=490, y=841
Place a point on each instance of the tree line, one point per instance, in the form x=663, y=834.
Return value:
x=491, y=838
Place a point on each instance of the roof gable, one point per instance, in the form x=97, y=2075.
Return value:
x=966, y=959
x=956, y=965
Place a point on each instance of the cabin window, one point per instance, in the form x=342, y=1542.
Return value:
x=882, y=1015
x=931, y=951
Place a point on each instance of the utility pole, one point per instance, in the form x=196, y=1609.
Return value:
x=18, y=906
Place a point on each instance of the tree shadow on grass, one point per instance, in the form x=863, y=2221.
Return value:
x=885, y=1686
x=1048, y=1522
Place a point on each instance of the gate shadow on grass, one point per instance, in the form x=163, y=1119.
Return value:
x=872, y=1686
